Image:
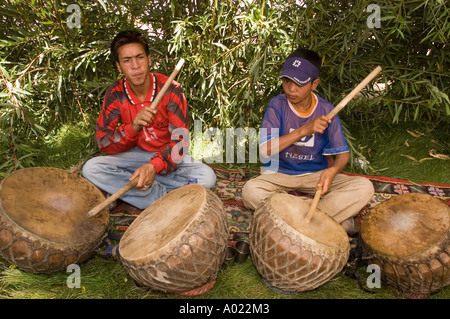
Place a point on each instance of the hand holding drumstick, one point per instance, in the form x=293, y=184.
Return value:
x=143, y=118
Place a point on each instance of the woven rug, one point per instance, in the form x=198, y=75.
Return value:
x=229, y=189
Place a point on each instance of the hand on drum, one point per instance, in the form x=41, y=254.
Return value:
x=146, y=174
x=143, y=118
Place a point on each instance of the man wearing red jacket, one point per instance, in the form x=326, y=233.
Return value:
x=141, y=142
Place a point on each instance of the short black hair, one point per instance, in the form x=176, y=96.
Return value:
x=126, y=37
x=309, y=55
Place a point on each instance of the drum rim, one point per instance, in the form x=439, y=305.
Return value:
x=439, y=245
x=57, y=245
x=10, y=223
x=304, y=237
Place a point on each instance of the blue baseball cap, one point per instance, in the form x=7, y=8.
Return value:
x=299, y=70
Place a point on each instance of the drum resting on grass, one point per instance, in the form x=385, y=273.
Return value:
x=290, y=254
x=44, y=225
x=408, y=237
x=178, y=243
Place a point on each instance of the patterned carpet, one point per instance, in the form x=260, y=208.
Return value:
x=229, y=189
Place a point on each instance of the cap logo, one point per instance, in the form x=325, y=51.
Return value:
x=297, y=63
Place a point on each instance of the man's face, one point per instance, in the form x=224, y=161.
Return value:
x=296, y=94
x=133, y=63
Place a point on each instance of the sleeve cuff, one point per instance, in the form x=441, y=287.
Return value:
x=334, y=151
x=158, y=163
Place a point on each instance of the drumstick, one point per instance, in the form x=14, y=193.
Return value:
x=314, y=203
x=94, y=211
x=355, y=91
x=330, y=115
x=167, y=84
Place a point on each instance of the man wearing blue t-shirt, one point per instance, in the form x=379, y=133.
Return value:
x=304, y=149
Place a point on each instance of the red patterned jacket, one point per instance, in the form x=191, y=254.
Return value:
x=120, y=106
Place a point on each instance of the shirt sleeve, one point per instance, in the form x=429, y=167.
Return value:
x=270, y=126
x=112, y=137
x=336, y=142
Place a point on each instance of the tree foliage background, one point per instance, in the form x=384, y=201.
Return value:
x=54, y=75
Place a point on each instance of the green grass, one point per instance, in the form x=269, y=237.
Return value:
x=104, y=279
x=389, y=149
x=403, y=151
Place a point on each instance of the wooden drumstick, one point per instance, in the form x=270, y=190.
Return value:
x=330, y=115
x=314, y=203
x=355, y=91
x=166, y=85
x=94, y=211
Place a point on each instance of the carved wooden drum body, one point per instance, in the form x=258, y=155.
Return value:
x=293, y=255
x=178, y=243
x=44, y=225
x=408, y=236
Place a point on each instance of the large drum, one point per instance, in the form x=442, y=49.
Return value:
x=178, y=243
x=290, y=254
x=44, y=225
x=408, y=237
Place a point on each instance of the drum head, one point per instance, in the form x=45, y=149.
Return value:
x=406, y=225
x=162, y=222
x=322, y=228
x=52, y=205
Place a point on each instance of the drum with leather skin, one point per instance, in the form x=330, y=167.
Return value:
x=408, y=237
x=178, y=243
x=291, y=254
x=44, y=225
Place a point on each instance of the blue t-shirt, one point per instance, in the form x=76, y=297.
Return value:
x=308, y=154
